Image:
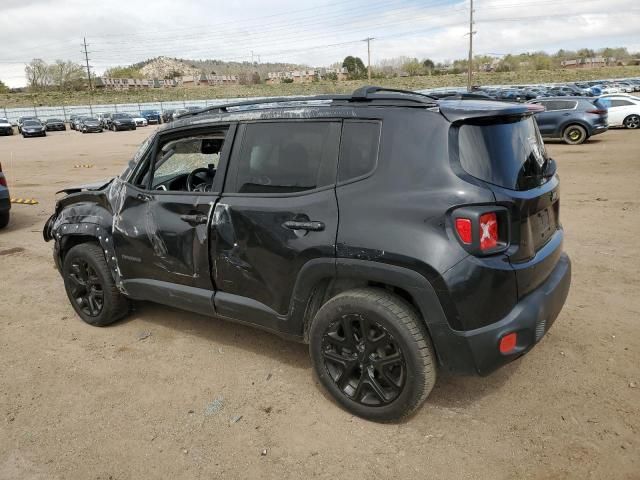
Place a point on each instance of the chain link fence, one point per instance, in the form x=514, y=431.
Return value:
x=65, y=112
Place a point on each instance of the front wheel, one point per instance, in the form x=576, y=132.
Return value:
x=90, y=286
x=632, y=121
x=372, y=353
x=574, y=135
x=4, y=219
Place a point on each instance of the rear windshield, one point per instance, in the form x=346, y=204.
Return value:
x=508, y=153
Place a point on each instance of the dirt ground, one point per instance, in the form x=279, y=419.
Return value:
x=78, y=402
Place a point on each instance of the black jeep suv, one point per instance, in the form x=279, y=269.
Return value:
x=394, y=233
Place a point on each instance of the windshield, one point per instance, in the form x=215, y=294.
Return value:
x=507, y=153
x=31, y=123
x=4, y=120
x=121, y=115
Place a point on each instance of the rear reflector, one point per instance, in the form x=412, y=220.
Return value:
x=488, y=231
x=508, y=343
x=463, y=227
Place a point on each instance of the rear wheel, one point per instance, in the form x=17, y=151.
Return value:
x=372, y=353
x=632, y=121
x=574, y=135
x=90, y=286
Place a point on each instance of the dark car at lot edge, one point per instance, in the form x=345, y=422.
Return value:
x=89, y=125
x=5, y=127
x=397, y=234
x=572, y=119
x=33, y=128
x=122, y=121
x=5, y=200
x=54, y=124
x=21, y=121
x=152, y=116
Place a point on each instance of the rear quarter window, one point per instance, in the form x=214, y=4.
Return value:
x=358, y=149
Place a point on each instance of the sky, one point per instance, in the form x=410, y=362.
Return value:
x=315, y=33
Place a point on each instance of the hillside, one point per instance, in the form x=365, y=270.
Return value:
x=165, y=67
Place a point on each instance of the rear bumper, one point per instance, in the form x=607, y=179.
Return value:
x=5, y=201
x=599, y=129
x=476, y=351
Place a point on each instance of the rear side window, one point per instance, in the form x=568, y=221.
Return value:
x=287, y=157
x=507, y=153
x=559, y=105
x=358, y=149
x=620, y=103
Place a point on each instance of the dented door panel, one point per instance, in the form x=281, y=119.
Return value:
x=154, y=241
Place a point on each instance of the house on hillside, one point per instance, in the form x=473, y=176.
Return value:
x=122, y=83
x=592, y=62
x=306, y=76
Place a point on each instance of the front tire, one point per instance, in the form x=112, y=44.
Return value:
x=632, y=122
x=372, y=353
x=574, y=135
x=4, y=219
x=90, y=286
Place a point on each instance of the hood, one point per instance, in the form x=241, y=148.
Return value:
x=5, y=124
x=88, y=186
x=92, y=122
x=32, y=127
x=459, y=110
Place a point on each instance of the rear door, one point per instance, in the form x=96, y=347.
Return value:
x=278, y=211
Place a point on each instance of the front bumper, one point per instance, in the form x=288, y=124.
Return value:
x=92, y=128
x=34, y=134
x=477, y=351
x=6, y=130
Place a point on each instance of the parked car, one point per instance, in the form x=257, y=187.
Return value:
x=167, y=115
x=21, y=121
x=624, y=111
x=152, y=116
x=452, y=261
x=33, y=128
x=75, y=121
x=90, y=124
x=140, y=120
x=5, y=200
x=54, y=124
x=104, y=119
x=122, y=121
x=5, y=127
x=573, y=119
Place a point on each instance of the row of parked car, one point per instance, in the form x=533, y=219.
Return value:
x=34, y=127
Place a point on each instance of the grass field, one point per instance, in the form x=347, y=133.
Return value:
x=263, y=90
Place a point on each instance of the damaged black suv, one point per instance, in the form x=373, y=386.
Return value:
x=396, y=234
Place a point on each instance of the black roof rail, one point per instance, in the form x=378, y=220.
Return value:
x=361, y=94
x=367, y=92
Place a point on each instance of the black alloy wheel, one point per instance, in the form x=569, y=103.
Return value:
x=364, y=360
x=86, y=288
x=632, y=121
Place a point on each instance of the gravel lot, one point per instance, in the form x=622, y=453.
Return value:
x=201, y=398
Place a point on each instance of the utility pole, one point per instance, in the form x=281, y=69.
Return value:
x=86, y=58
x=471, y=33
x=368, y=40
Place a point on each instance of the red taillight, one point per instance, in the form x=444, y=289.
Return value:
x=488, y=231
x=508, y=343
x=463, y=227
x=3, y=181
x=597, y=112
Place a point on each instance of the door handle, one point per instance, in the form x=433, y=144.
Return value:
x=144, y=197
x=195, y=219
x=309, y=226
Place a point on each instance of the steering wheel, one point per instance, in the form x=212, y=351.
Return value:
x=205, y=184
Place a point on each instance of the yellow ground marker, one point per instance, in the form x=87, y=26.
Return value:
x=25, y=201
x=83, y=165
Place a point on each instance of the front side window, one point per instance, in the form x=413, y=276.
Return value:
x=287, y=157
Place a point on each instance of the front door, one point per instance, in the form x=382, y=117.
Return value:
x=161, y=228
x=278, y=211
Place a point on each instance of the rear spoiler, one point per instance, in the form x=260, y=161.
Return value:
x=460, y=110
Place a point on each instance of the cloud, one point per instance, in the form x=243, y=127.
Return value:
x=314, y=33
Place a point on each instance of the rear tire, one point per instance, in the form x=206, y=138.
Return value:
x=574, y=135
x=4, y=219
x=90, y=286
x=632, y=122
x=372, y=353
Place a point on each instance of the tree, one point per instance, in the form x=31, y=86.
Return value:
x=67, y=75
x=428, y=65
x=38, y=75
x=124, y=72
x=355, y=67
x=3, y=87
x=413, y=67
